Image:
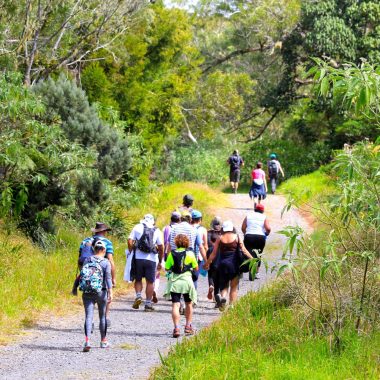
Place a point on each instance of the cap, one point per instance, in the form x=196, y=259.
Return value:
x=148, y=220
x=176, y=215
x=196, y=214
x=259, y=207
x=100, y=244
x=273, y=155
x=185, y=214
x=227, y=226
x=216, y=223
x=188, y=199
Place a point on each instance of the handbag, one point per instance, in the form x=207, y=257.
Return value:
x=243, y=266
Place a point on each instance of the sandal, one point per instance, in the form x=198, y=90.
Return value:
x=189, y=330
x=210, y=292
x=176, y=332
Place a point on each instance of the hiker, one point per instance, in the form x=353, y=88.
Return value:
x=235, y=162
x=196, y=222
x=180, y=262
x=86, y=250
x=228, y=270
x=96, y=284
x=256, y=228
x=187, y=203
x=146, y=242
x=274, y=167
x=213, y=234
x=259, y=186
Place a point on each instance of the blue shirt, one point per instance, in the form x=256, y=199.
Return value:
x=108, y=244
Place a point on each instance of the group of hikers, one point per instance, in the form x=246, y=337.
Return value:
x=259, y=186
x=185, y=249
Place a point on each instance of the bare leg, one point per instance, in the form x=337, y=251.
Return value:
x=149, y=290
x=175, y=313
x=138, y=286
x=189, y=313
x=224, y=292
x=234, y=289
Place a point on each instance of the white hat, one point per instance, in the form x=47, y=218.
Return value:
x=148, y=220
x=227, y=226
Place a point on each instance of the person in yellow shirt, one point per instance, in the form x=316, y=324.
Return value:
x=180, y=263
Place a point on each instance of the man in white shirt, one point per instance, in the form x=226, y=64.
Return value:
x=146, y=241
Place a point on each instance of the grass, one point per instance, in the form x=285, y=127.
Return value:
x=262, y=338
x=308, y=187
x=33, y=282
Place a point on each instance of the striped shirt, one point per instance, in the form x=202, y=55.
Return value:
x=185, y=229
x=108, y=243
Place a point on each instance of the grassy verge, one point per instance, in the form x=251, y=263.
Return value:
x=32, y=281
x=262, y=338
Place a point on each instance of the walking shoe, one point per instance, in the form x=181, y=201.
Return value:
x=210, y=292
x=223, y=304
x=149, y=308
x=217, y=299
x=181, y=310
x=154, y=298
x=176, y=332
x=137, y=303
x=108, y=321
x=104, y=344
x=86, y=347
x=189, y=330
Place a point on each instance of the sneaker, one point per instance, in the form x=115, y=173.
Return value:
x=210, y=292
x=223, y=304
x=176, y=332
x=108, y=321
x=181, y=310
x=149, y=308
x=217, y=300
x=137, y=303
x=154, y=298
x=189, y=330
x=86, y=347
x=104, y=344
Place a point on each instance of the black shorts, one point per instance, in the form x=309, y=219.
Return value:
x=145, y=269
x=235, y=175
x=176, y=297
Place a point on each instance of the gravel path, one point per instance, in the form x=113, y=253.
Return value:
x=53, y=349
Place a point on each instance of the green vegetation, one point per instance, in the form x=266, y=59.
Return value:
x=263, y=338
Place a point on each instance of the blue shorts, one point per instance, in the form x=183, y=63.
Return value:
x=145, y=269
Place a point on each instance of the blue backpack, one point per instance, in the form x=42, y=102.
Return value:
x=91, y=276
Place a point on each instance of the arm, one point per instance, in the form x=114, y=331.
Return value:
x=267, y=226
x=131, y=244
x=244, y=225
x=113, y=269
x=205, y=241
x=244, y=250
x=160, y=249
x=108, y=280
x=213, y=255
x=280, y=168
x=202, y=251
x=265, y=182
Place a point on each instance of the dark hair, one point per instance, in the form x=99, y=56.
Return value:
x=181, y=241
x=259, y=165
x=235, y=152
x=195, y=220
x=188, y=200
x=175, y=218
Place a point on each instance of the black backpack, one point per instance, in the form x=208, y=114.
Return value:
x=272, y=168
x=179, y=266
x=235, y=162
x=145, y=243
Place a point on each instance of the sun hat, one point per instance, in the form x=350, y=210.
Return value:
x=216, y=223
x=195, y=214
x=99, y=227
x=100, y=244
x=259, y=207
x=148, y=220
x=227, y=226
x=273, y=155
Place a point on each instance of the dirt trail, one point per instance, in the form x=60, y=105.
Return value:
x=53, y=349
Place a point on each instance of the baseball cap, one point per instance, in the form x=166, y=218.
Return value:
x=273, y=155
x=148, y=220
x=196, y=214
x=188, y=199
x=100, y=244
x=227, y=226
x=259, y=207
x=216, y=223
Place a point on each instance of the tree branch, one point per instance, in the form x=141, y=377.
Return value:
x=264, y=127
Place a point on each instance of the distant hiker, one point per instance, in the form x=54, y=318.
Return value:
x=274, y=167
x=145, y=241
x=259, y=186
x=213, y=234
x=196, y=222
x=86, y=250
x=180, y=263
x=96, y=284
x=187, y=204
x=255, y=228
x=235, y=162
x=228, y=246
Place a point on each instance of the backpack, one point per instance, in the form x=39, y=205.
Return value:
x=272, y=168
x=145, y=243
x=179, y=266
x=87, y=249
x=235, y=162
x=91, y=276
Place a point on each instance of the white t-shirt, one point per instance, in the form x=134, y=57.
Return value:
x=136, y=234
x=255, y=224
